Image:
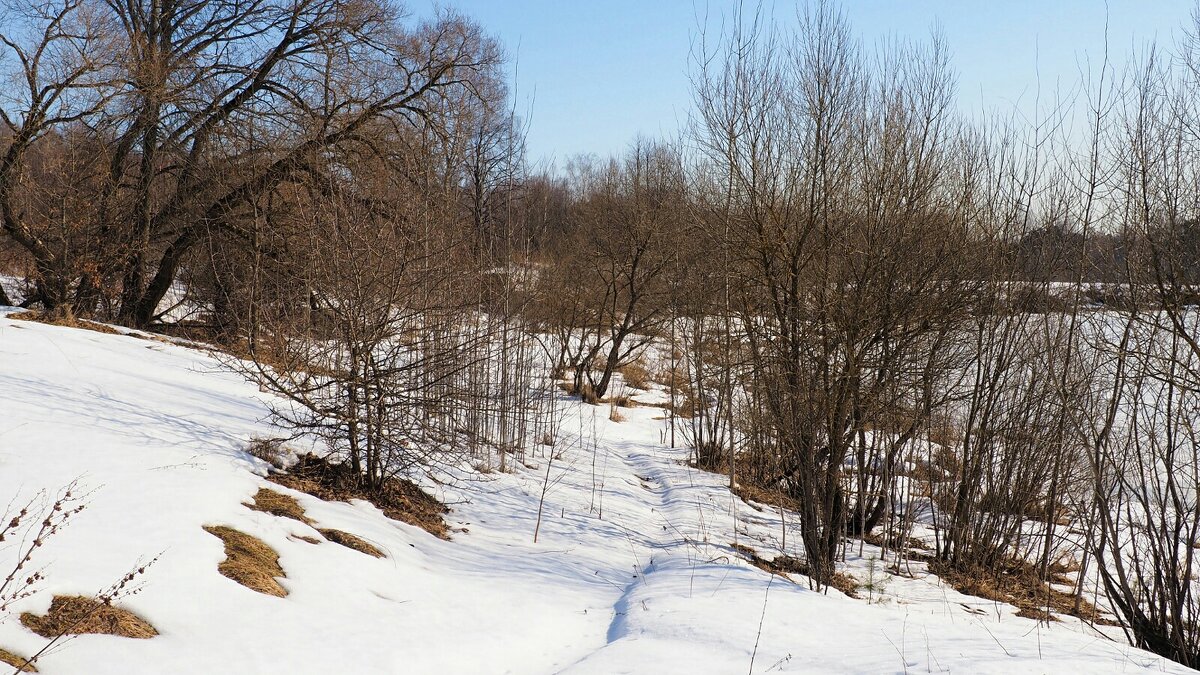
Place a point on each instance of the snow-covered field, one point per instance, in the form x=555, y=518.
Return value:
x=633, y=571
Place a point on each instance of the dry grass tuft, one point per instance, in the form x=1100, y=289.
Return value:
x=614, y=414
x=351, y=541
x=636, y=375
x=622, y=401
x=399, y=499
x=845, y=583
x=249, y=561
x=65, y=320
x=685, y=396
x=21, y=665
x=78, y=615
x=278, y=504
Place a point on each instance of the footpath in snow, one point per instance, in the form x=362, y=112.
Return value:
x=633, y=572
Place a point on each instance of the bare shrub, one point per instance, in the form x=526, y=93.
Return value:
x=269, y=450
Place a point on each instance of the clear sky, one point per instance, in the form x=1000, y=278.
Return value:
x=593, y=74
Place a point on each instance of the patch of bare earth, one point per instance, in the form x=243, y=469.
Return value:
x=21, y=665
x=249, y=561
x=399, y=499
x=351, y=541
x=78, y=615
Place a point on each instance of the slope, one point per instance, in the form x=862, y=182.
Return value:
x=633, y=570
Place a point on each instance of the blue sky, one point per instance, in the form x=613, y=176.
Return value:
x=593, y=74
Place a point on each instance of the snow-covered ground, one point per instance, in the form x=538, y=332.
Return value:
x=633, y=571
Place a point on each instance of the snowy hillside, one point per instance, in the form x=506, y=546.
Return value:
x=634, y=569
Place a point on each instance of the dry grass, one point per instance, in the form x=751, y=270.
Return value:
x=21, y=665
x=752, y=493
x=845, y=583
x=249, y=561
x=685, y=396
x=622, y=401
x=614, y=414
x=351, y=541
x=1019, y=584
x=278, y=504
x=636, y=375
x=784, y=566
x=710, y=457
x=780, y=564
x=284, y=506
x=667, y=375
x=66, y=321
x=945, y=433
x=399, y=499
x=78, y=615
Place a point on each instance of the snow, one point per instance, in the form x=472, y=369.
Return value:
x=633, y=570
